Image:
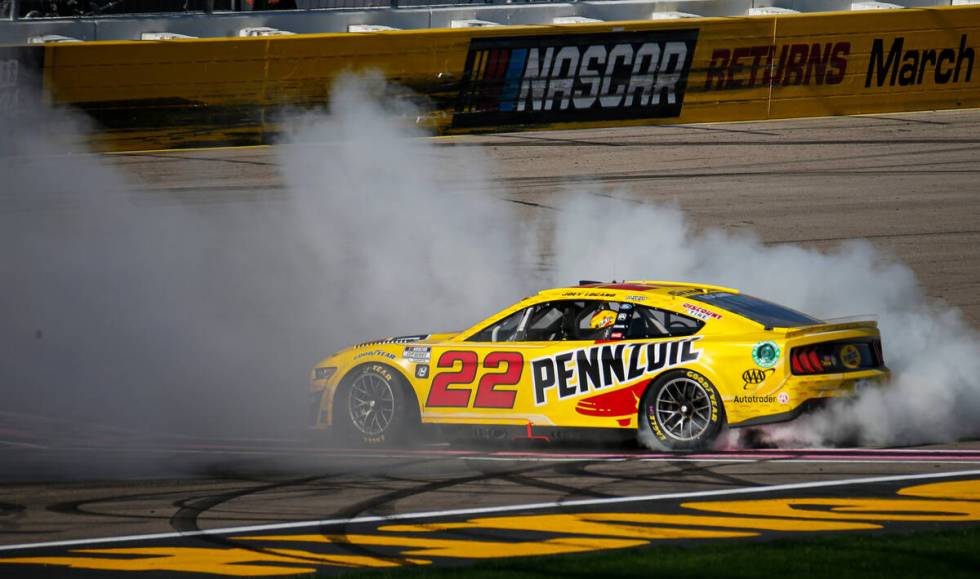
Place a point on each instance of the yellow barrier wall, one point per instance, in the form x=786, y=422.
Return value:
x=147, y=94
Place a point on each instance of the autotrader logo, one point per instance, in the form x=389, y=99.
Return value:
x=582, y=77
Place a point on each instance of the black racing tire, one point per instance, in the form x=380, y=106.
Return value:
x=680, y=411
x=375, y=406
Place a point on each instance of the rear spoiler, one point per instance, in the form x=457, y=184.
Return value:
x=826, y=328
x=705, y=288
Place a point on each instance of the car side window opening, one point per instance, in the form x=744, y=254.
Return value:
x=653, y=323
x=566, y=320
x=504, y=330
x=552, y=321
x=589, y=320
x=586, y=320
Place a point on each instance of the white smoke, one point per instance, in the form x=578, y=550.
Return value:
x=934, y=393
x=129, y=307
x=405, y=227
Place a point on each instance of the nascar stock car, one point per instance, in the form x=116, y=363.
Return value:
x=671, y=362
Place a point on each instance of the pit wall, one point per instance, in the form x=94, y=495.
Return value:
x=182, y=93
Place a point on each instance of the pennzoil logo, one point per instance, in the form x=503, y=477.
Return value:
x=583, y=370
x=582, y=77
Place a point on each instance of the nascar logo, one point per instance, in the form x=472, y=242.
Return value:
x=577, y=371
x=575, y=77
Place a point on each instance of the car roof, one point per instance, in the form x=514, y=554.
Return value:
x=643, y=291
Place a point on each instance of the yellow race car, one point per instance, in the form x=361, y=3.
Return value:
x=672, y=362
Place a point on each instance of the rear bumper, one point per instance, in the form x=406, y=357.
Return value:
x=807, y=406
x=800, y=395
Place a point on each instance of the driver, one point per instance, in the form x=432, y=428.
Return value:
x=602, y=319
x=594, y=324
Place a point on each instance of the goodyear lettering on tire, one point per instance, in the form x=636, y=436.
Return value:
x=654, y=424
x=379, y=369
x=712, y=395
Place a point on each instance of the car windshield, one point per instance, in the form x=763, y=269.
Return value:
x=766, y=313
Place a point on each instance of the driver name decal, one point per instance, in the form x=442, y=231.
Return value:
x=580, y=371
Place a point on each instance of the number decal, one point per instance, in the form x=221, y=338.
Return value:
x=486, y=395
x=441, y=394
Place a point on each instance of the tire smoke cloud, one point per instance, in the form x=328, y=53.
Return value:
x=934, y=354
x=130, y=310
x=127, y=307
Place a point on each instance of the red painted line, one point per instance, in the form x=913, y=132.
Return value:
x=871, y=450
x=566, y=455
x=745, y=455
x=890, y=457
x=862, y=454
x=15, y=432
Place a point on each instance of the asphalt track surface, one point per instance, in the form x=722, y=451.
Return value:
x=279, y=507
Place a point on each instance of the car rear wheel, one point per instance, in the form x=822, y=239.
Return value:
x=680, y=411
x=375, y=407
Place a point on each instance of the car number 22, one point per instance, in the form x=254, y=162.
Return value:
x=509, y=364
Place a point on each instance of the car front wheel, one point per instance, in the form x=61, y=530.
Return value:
x=374, y=407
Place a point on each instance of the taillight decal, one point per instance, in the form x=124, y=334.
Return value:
x=795, y=360
x=805, y=361
x=815, y=361
x=836, y=357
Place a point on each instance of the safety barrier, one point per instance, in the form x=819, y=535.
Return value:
x=182, y=93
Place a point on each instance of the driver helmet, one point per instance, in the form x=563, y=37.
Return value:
x=602, y=319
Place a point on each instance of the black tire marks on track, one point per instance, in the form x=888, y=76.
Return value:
x=192, y=509
x=187, y=517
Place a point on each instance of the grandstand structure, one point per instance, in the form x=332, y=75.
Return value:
x=27, y=22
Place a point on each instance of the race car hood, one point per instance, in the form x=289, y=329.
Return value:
x=337, y=358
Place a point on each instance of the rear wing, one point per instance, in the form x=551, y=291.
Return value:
x=826, y=328
x=703, y=287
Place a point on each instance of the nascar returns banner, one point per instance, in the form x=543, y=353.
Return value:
x=148, y=95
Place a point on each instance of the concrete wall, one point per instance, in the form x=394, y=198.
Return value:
x=320, y=21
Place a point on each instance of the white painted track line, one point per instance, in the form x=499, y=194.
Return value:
x=491, y=510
